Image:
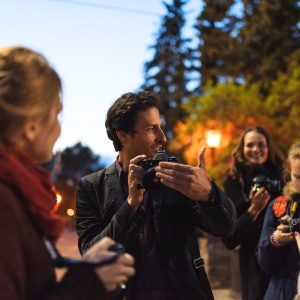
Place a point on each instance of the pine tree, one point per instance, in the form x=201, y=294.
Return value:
x=169, y=71
x=268, y=40
x=74, y=163
x=216, y=25
x=254, y=43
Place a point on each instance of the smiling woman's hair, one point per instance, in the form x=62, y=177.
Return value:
x=121, y=116
x=275, y=158
x=29, y=88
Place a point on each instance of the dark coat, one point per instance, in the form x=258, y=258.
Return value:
x=279, y=261
x=253, y=280
x=102, y=210
x=25, y=267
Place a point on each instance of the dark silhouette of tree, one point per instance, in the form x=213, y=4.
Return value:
x=78, y=161
x=170, y=70
x=73, y=163
x=254, y=43
x=268, y=41
x=216, y=25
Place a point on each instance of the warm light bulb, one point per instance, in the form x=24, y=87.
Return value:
x=70, y=212
x=213, y=138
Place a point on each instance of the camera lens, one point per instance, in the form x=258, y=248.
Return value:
x=150, y=181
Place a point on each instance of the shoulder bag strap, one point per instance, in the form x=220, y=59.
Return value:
x=198, y=262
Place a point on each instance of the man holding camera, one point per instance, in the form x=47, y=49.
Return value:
x=155, y=225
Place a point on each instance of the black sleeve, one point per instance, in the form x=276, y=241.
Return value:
x=245, y=224
x=97, y=215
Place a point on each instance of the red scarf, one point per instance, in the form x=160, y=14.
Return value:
x=34, y=188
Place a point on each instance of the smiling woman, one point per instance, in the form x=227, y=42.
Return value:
x=254, y=157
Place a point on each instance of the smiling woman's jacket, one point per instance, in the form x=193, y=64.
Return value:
x=102, y=210
x=254, y=281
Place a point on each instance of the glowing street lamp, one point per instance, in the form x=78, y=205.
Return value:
x=213, y=140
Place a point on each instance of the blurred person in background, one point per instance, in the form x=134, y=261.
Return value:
x=277, y=252
x=29, y=108
x=254, y=159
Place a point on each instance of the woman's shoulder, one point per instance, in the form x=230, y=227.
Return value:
x=279, y=205
x=7, y=194
x=11, y=203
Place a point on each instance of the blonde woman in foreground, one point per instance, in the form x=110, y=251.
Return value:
x=29, y=107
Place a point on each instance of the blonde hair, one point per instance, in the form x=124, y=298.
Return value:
x=294, y=153
x=29, y=88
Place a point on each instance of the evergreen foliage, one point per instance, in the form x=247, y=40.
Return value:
x=268, y=40
x=170, y=70
x=248, y=65
x=230, y=108
x=78, y=161
x=216, y=24
x=73, y=163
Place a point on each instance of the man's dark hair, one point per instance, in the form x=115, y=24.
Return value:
x=121, y=116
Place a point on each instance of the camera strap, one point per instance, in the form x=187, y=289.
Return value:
x=293, y=207
x=59, y=261
x=199, y=266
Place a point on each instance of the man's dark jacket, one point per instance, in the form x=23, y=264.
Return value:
x=102, y=210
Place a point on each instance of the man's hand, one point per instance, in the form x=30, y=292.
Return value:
x=193, y=182
x=135, y=175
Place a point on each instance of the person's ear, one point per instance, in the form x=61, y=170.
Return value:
x=30, y=130
x=123, y=136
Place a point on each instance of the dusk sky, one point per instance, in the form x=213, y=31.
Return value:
x=98, y=47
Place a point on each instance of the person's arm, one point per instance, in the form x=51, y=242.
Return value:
x=79, y=283
x=89, y=281
x=233, y=190
x=270, y=255
x=98, y=214
x=248, y=211
x=25, y=265
x=297, y=238
x=218, y=215
x=217, y=211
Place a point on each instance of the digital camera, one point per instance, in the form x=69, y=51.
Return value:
x=149, y=180
x=294, y=224
x=271, y=185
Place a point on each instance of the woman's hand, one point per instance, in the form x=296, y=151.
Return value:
x=283, y=233
x=114, y=274
x=259, y=201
